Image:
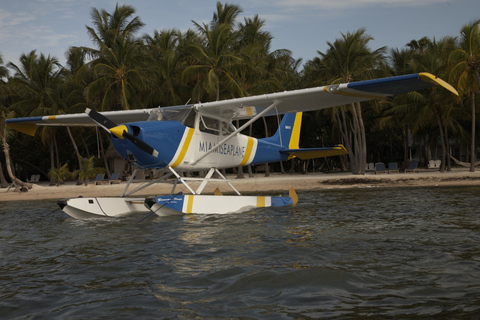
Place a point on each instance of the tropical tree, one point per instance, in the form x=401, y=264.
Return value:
x=215, y=59
x=89, y=170
x=166, y=65
x=465, y=73
x=58, y=175
x=118, y=61
x=350, y=59
x=399, y=109
x=109, y=27
x=436, y=101
x=35, y=81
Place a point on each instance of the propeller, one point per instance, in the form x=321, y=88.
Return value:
x=120, y=131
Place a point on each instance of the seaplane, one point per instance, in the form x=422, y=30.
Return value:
x=201, y=137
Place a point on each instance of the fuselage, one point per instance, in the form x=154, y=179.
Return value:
x=179, y=146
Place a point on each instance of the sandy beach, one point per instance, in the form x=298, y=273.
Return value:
x=275, y=183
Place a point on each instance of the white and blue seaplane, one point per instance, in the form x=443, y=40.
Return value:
x=201, y=137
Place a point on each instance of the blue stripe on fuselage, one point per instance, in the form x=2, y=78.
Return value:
x=268, y=151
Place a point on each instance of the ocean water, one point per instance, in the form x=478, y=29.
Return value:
x=363, y=253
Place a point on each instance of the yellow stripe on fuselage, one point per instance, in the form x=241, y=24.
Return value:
x=189, y=204
x=185, y=146
x=248, y=151
x=260, y=202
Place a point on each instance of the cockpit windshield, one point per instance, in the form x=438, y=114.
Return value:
x=182, y=114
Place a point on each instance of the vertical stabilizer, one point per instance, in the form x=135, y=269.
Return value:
x=288, y=133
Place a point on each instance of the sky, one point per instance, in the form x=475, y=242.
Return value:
x=301, y=26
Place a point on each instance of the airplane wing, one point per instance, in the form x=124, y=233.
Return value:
x=248, y=107
x=320, y=97
x=312, y=153
x=30, y=124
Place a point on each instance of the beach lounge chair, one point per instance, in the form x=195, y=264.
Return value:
x=393, y=167
x=434, y=164
x=380, y=168
x=370, y=166
x=34, y=178
x=412, y=167
x=99, y=179
x=114, y=178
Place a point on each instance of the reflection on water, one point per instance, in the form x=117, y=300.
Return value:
x=349, y=253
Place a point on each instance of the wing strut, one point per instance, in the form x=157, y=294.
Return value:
x=234, y=133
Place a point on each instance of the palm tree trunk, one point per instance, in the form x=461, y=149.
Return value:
x=6, y=151
x=79, y=157
x=363, y=140
x=52, y=159
x=472, y=162
x=344, y=132
x=448, y=163
x=405, y=146
x=56, y=151
x=442, y=139
x=357, y=139
x=107, y=169
x=3, y=181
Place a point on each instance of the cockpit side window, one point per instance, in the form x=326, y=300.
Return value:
x=215, y=126
x=209, y=125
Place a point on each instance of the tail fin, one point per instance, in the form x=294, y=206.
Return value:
x=288, y=133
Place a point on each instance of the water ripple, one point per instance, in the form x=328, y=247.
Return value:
x=350, y=253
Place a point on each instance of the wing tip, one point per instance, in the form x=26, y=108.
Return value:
x=430, y=78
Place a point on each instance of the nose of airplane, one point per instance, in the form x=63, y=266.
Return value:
x=118, y=131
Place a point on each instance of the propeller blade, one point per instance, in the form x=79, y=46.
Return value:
x=140, y=144
x=102, y=121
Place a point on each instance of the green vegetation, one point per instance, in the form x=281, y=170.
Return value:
x=229, y=58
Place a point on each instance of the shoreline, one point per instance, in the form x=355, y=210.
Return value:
x=275, y=183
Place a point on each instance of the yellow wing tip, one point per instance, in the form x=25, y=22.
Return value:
x=428, y=77
x=26, y=128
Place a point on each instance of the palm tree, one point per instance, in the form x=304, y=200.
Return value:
x=89, y=170
x=118, y=61
x=35, y=81
x=435, y=100
x=166, y=64
x=400, y=109
x=215, y=62
x=120, y=76
x=465, y=72
x=58, y=175
x=215, y=58
x=350, y=59
x=108, y=27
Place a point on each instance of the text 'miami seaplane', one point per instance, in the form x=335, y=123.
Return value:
x=201, y=137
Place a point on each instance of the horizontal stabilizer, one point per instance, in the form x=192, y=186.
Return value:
x=312, y=153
